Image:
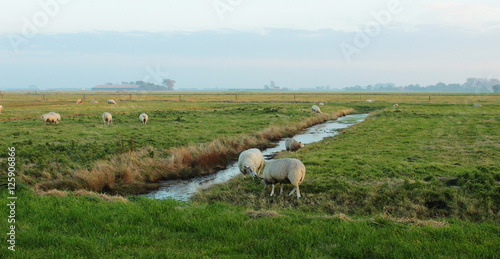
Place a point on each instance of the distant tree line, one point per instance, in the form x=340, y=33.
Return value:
x=482, y=85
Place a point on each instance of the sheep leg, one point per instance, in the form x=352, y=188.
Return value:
x=298, y=192
x=272, y=191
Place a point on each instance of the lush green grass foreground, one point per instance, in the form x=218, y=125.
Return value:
x=72, y=227
x=418, y=181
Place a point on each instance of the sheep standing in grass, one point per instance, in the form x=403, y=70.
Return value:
x=395, y=105
x=111, y=101
x=478, y=105
x=79, y=101
x=94, y=101
x=251, y=162
x=316, y=109
x=1, y=108
x=50, y=118
x=293, y=145
x=143, y=118
x=286, y=170
x=56, y=116
x=321, y=103
x=106, y=117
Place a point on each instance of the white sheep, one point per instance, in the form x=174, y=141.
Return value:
x=286, y=170
x=143, y=118
x=321, y=103
x=316, y=109
x=57, y=117
x=478, y=105
x=79, y=101
x=251, y=162
x=111, y=101
x=370, y=101
x=94, y=101
x=293, y=145
x=51, y=118
x=1, y=108
x=395, y=105
x=106, y=117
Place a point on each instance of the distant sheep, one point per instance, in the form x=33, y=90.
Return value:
x=321, y=103
x=111, y=101
x=94, y=101
x=143, y=118
x=293, y=145
x=478, y=105
x=106, y=117
x=1, y=108
x=316, y=109
x=57, y=117
x=79, y=101
x=395, y=105
x=251, y=162
x=370, y=101
x=50, y=117
x=286, y=170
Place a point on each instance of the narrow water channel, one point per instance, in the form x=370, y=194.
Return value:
x=183, y=189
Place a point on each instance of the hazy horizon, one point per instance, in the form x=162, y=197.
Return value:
x=247, y=44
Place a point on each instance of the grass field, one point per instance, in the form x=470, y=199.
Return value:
x=421, y=180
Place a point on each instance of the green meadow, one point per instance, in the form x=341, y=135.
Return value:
x=421, y=180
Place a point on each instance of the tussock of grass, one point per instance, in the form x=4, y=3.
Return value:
x=263, y=214
x=137, y=172
x=100, y=196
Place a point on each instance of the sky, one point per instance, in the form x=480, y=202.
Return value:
x=246, y=44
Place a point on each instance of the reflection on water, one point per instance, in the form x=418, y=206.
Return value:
x=183, y=189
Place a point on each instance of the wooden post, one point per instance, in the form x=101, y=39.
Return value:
x=130, y=96
x=429, y=98
x=236, y=97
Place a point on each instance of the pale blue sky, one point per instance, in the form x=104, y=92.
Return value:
x=243, y=43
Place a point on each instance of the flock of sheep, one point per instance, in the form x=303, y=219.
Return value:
x=283, y=171
x=55, y=118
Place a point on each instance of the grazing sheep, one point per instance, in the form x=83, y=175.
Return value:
x=321, y=103
x=395, y=105
x=57, y=117
x=143, y=118
x=111, y=101
x=478, y=105
x=251, y=162
x=94, y=101
x=293, y=145
x=50, y=117
x=1, y=108
x=286, y=170
x=370, y=101
x=106, y=117
x=79, y=101
x=316, y=109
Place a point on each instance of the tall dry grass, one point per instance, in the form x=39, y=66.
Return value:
x=138, y=172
